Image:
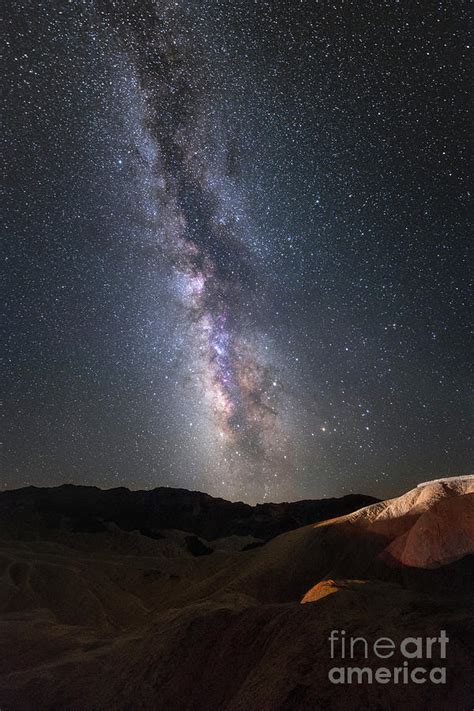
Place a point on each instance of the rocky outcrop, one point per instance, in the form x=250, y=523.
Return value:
x=441, y=535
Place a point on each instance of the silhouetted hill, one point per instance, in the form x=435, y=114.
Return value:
x=89, y=509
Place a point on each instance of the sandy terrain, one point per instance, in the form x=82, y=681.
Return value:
x=116, y=619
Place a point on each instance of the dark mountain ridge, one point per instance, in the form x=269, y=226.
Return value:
x=90, y=509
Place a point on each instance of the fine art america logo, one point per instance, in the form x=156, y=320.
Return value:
x=413, y=650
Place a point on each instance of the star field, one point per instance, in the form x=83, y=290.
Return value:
x=237, y=246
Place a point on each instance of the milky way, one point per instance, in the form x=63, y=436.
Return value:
x=202, y=229
x=237, y=245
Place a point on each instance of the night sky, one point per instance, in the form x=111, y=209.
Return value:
x=236, y=245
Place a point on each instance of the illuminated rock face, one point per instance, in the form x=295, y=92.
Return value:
x=395, y=517
x=428, y=527
x=441, y=535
